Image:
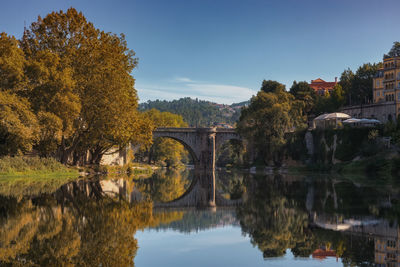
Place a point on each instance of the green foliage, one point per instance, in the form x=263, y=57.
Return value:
x=330, y=102
x=197, y=113
x=296, y=147
x=271, y=114
x=303, y=92
x=357, y=87
x=392, y=130
x=394, y=51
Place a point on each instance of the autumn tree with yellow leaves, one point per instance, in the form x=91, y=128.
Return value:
x=66, y=88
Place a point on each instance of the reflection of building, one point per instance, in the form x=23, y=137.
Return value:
x=386, y=237
x=323, y=253
x=387, y=247
x=321, y=87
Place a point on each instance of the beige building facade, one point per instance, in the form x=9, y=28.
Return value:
x=386, y=84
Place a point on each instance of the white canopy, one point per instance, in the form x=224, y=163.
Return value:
x=352, y=120
x=335, y=115
x=362, y=121
x=370, y=121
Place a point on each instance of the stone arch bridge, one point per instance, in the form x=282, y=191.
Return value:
x=201, y=143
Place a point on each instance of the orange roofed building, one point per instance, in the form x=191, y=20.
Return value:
x=321, y=87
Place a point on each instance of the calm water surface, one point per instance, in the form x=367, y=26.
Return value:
x=282, y=220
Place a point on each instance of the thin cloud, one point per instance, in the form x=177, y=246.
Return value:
x=219, y=93
x=183, y=80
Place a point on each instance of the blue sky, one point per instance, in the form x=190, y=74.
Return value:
x=221, y=50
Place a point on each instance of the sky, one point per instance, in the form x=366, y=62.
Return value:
x=222, y=50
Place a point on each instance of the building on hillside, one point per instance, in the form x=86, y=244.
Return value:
x=377, y=87
x=321, y=87
x=386, y=94
x=386, y=84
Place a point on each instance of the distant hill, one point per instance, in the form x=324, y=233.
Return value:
x=198, y=113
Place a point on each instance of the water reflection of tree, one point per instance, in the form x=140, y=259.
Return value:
x=273, y=222
x=84, y=231
x=230, y=184
x=164, y=185
x=275, y=217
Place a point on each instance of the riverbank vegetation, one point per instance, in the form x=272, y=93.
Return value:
x=33, y=166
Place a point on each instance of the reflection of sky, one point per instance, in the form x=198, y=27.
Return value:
x=214, y=247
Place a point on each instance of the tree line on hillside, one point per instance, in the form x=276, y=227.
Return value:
x=196, y=113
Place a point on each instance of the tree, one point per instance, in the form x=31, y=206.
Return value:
x=346, y=81
x=272, y=87
x=394, y=51
x=302, y=91
x=271, y=114
x=87, y=72
x=12, y=64
x=357, y=87
x=337, y=97
x=197, y=113
x=18, y=124
x=166, y=150
x=51, y=87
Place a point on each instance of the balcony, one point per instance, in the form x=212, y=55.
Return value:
x=390, y=67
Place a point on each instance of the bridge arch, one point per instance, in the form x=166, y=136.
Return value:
x=201, y=143
x=182, y=142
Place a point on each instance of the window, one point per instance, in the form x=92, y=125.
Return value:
x=379, y=94
x=398, y=96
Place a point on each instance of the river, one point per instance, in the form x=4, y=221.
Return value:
x=275, y=220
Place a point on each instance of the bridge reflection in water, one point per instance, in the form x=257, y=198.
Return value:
x=201, y=193
x=202, y=144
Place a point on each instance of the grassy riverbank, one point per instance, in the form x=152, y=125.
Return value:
x=20, y=176
x=18, y=167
